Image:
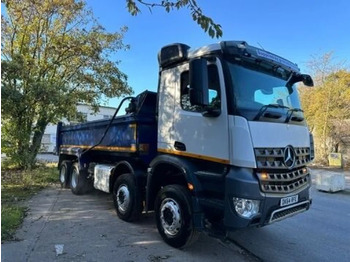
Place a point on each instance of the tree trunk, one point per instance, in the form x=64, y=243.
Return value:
x=325, y=125
x=22, y=137
x=36, y=142
x=336, y=148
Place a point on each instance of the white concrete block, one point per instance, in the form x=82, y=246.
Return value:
x=330, y=182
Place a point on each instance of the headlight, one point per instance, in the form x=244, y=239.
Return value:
x=246, y=208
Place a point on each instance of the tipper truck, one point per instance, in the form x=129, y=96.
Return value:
x=222, y=145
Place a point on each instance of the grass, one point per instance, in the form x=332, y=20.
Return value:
x=11, y=218
x=17, y=186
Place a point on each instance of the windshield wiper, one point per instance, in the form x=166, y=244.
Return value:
x=291, y=111
x=265, y=107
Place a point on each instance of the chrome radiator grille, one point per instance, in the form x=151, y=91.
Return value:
x=267, y=158
x=284, y=182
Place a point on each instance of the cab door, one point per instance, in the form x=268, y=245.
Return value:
x=196, y=134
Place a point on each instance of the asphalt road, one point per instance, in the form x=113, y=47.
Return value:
x=61, y=226
x=320, y=234
x=87, y=229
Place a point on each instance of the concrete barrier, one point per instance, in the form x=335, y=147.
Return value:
x=330, y=182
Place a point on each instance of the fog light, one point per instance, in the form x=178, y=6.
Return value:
x=246, y=208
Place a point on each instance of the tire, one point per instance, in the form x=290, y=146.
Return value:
x=173, y=211
x=64, y=173
x=127, y=198
x=79, y=184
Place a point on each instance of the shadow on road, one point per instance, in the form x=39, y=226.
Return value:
x=88, y=229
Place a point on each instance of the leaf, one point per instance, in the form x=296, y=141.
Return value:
x=196, y=13
x=326, y=105
x=54, y=56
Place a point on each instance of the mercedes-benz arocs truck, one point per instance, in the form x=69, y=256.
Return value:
x=222, y=145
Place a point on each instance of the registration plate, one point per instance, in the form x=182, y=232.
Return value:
x=289, y=200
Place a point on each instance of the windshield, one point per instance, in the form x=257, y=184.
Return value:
x=253, y=90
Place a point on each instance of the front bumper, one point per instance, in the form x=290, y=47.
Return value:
x=243, y=183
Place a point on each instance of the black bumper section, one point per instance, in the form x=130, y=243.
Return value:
x=242, y=183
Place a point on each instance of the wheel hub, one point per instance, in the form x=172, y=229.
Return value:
x=63, y=174
x=170, y=216
x=123, y=198
x=74, y=178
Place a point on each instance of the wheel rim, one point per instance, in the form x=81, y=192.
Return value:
x=63, y=174
x=123, y=198
x=170, y=216
x=74, y=178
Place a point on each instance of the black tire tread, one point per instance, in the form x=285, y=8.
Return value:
x=84, y=185
x=135, y=209
x=188, y=235
x=68, y=165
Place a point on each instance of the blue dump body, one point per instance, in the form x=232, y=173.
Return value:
x=133, y=134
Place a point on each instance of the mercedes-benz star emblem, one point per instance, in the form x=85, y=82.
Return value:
x=289, y=156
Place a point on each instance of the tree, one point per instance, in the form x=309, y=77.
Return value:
x=205, y=22
x=327, y=105
x=54, y=55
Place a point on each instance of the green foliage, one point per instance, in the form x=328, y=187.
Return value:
x=17, y=182
x=54, y=55
x=327, y=106
x=16, y=186
x=206, y=23
x=11, y=218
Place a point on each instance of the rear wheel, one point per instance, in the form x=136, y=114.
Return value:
x=126, y=198
x=64, y=173
x=79, y=182
x=173, y=212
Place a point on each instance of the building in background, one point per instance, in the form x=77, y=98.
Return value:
x=48, y=142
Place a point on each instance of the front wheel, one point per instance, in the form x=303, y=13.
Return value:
x=173, y=212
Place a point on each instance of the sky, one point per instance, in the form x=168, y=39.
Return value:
x=296, y=30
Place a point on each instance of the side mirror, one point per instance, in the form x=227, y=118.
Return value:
x=295, y=78
x=307, y=80
x=199, y=90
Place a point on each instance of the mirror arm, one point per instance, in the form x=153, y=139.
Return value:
x=211, y=112
x=295, y=78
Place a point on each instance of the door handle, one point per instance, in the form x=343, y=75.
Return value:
x=179, y=146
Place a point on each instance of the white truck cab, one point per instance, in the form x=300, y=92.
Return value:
x=237, y=107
